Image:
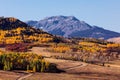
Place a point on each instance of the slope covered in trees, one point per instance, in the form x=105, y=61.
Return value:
x=13, y=30
x=87, y=50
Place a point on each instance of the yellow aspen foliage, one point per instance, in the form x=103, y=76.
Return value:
x=113, y=45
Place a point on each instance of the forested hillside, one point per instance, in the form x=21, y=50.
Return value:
x=13, y=30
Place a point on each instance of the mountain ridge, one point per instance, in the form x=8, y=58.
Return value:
x=70, y=26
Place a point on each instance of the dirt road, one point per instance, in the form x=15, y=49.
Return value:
x=25, y=76
x=74, y=70
x=65, y=65
x=61, y=64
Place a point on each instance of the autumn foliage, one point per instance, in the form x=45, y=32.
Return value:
x=25, y=61
x=18, y=47
x=60, y=48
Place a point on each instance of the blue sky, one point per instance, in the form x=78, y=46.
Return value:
x=103, y=13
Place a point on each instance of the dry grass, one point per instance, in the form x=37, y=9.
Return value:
x=97, y=72
x=116, y=39
x=42, y=51
x=89, y=72
x=7, y=75
x=54, y=76
x=74, y=70
x=114, y=64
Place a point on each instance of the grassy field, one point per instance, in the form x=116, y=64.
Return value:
x=88, y=72
x=8, y=75
x=83, y=73
x=74, y=70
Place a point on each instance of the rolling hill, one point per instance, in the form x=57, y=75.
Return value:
x=116, y=39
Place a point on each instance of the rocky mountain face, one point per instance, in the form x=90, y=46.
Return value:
x=70, y=26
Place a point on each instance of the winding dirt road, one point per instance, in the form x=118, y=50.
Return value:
x=65, y=65
x=62, y=64
x=25, y=76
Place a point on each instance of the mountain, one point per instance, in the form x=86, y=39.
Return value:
x=70, y=26
x=13, y=30
x=116, y=40
x=95, y=32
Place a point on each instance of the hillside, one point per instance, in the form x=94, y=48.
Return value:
x=116, y=39
x=70, y=26
x=13, y=30
x=9, y=23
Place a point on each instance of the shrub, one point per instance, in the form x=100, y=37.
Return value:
x=18, y=47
